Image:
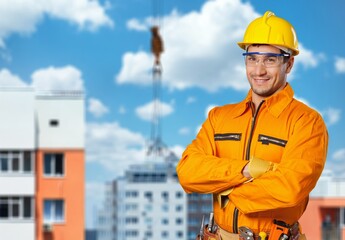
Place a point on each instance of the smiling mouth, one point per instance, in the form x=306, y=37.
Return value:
x=261, y=80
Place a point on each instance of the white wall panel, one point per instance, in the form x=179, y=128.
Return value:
x=17, y=230
x=68, y=112
x=17, y=185
x=17, y=126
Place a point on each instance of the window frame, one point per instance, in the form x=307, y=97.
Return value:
x=19, y=202
x=52, y=211
x=53, y=172
x=14, y=162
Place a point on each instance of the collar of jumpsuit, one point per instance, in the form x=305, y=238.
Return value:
x=275, y=104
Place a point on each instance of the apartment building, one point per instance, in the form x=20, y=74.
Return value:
x=41, y=164
x=324, y=218
x=149, y=203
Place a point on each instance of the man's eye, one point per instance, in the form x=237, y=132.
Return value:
x=271, y=60
x=251, y=59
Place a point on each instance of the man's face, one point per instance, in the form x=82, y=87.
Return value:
x=265, y=81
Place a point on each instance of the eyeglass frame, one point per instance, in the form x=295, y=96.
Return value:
x=268, y=54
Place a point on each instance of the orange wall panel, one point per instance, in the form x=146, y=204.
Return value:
x=312, y=219
x=70, y=188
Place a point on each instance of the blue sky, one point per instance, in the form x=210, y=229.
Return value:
x=103, y=48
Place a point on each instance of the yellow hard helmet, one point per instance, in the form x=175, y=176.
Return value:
x=271, y=30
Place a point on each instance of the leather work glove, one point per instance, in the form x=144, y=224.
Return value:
x=223, y=197
x=257, y=167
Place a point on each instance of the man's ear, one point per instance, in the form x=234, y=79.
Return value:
x=289, y=64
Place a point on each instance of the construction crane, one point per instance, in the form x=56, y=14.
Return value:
x=156, y=145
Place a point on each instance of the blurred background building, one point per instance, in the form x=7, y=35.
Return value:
x=41, y=164
x=149, y=203
x=324, y=218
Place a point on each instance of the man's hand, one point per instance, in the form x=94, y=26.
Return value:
x=245, y=172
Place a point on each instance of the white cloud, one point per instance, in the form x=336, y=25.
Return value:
x=136, y=69
x=339, y=155
x=7, y=79
x=339, y=65
x=122, y=110
x=97, y=108
x=52, y=78
x=201, y=50
x=191, y=100
x=178, y=150
x=113, y=146
x=184, y=131
x=134, y=24
x=208, y=109
x=23, y=16
x=332, y=115
x=307, y=58
x=145, y=111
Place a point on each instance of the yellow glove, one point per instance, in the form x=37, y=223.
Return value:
x=257, y=167
x=223, y=197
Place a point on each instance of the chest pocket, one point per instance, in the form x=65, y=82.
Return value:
x=271, y=140
x=270, y=148
x=228, y=145
x=227, y=136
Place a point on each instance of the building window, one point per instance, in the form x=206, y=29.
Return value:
x=179, y=234
x=179, y=194
x=131, y=220
x=54, y=123
x=165, y=207
x=27, y=166
x=165, y=221
x=179, y=221
x=131, y=194
x=179, y=208
x=165, y=195
x=54, y=211
x=148, y=195
x=148, y=234
x=54, y=164
x=16, y=207
x=165, y=234
x=16, y=162
x=131, y=233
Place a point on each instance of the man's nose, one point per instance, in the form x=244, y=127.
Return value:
x=260, y=67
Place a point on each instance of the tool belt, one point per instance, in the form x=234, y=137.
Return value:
x=208, y=235
x=279, y=231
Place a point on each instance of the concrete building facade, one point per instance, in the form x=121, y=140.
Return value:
x=149, y=203
x=41, y=164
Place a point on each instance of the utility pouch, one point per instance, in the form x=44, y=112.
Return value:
x=279, y=231
x=208, y=235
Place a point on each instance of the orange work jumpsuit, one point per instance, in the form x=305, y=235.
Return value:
x=283, y=131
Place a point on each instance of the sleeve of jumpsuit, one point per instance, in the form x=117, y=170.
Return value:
x=199, y=170
x=296, y=175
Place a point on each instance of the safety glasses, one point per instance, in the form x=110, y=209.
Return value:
x=266, y=58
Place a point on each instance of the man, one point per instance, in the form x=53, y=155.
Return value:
x=260, y=158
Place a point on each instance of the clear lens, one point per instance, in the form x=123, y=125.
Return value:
x=267, y=59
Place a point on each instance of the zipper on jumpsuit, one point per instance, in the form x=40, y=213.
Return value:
x=235, y=216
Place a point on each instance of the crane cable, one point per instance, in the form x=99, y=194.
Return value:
x=156, y=145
